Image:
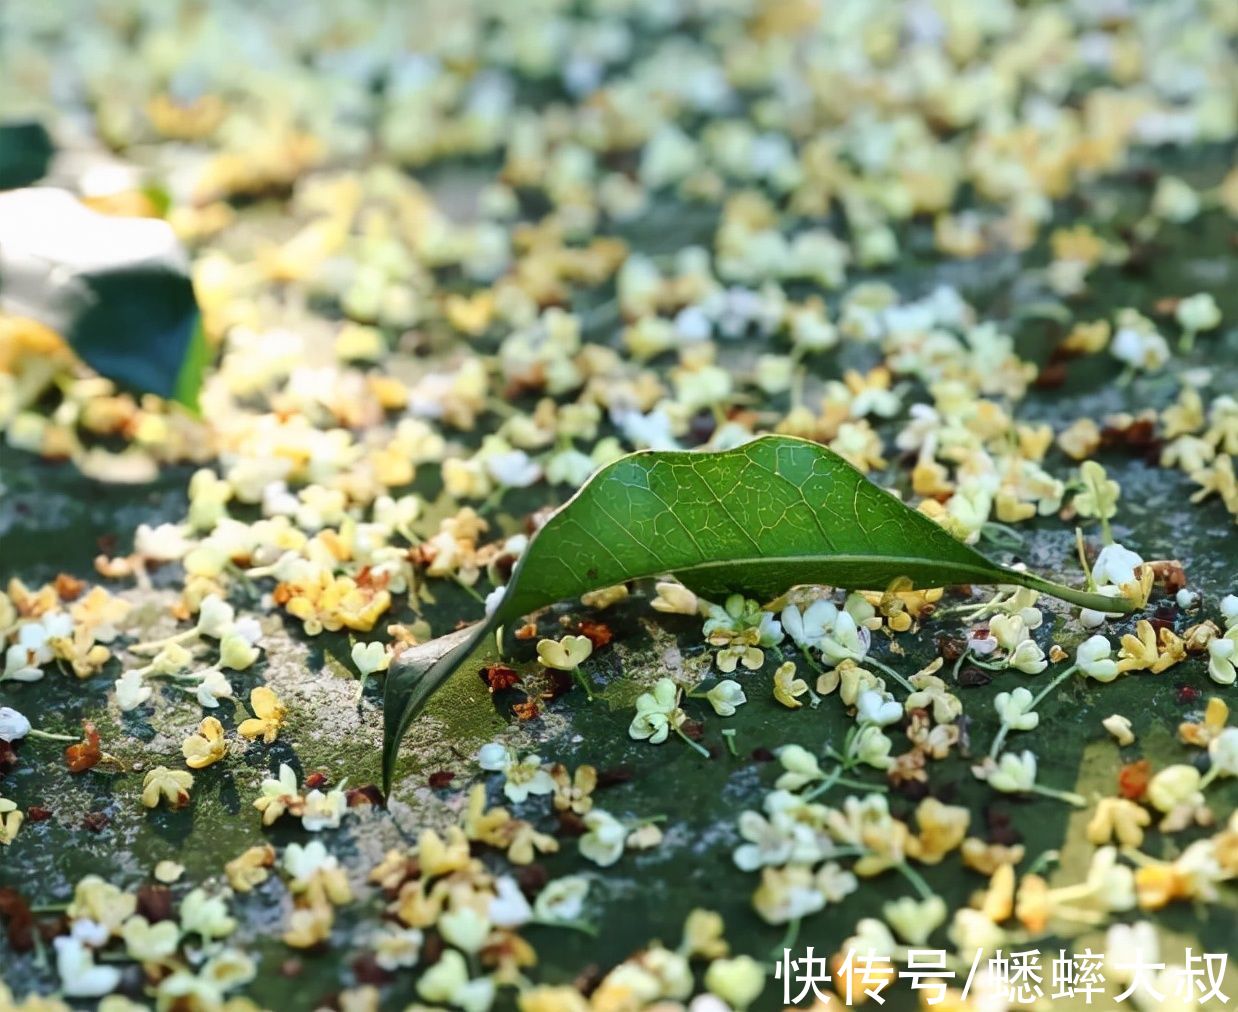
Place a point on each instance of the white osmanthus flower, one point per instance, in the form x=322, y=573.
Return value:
x=213, y=687
x=508, y=908
x=562, y=899
x=1014, y=774
x=302, y=863
x=1093, y=658
x=513, y=469
x=13, y=725
x=370, y=657
x=324, y=809
x=808, y=627
x=80, y=976
x=1014, y=709
x=657, y=713
x=1223, y=752
x=845, y=641
x=878, y=708
x=1223, y=658
x=522, y=776
x=872, y=747
x=801, y=768
x=447, y=982
x=215, y=617
x=131, y=691
x=726, y=697
x=1028, y=657
x=604, y=838
x=236, y=652
x=1115, y=565
x=1197, y=313
x=1229, y=609
x=396, y=948
x=24, y=659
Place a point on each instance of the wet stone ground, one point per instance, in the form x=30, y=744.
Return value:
x=52, y=519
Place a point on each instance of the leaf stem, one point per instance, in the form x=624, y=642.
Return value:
x=696, y=746
x=916, y=880
x=48, y=736
x=889, y=671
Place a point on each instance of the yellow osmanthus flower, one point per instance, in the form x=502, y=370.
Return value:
x=1146, y=650
x=787, y=687
x=1120, y=819
x=1216, y=715
x=171, y=786
x=308, y=926
x=268, y=715
x=333, y=603
x=250, y=868
x=438, y=856
x=205, y=747
x=574, y=793
x=942, y=829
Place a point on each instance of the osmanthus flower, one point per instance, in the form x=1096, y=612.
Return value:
x=1027, y=657
x=872, y=747
x=1148, y=650
x=10, y=821
x=34, y=647
x=13, y=725
x=212, y=687
x=846, y=641
x=574, y=793
x=131, y=691
x=1015, y=709
x=324, y=809
x=1115, y=566
x=1093, y=658
x=562, y=900
x=809, y=626
x=205, y=747
x=657, y=713
x=1223, y=754
x=315, y=875
x=914, y=919
x=1118, y=819
x=149, y=943
x=206, y=914
x=878, y=708
x=931, y=694
x=726, y=697
x=250, y=868
x=1016, y=774
x=101, y=903
x=801, y=768
x=788, y=894
x=268, y=717
x=523, y=776
x=1177, y=792
x=942, y=828
x=1223, y=658
x=566, y=654
x=163, y=784
x=788, y=688
x=1120, y=727
x=604, y=839
x=80, y=976
x=279, y=795
x=397, y=948
x=308, y=926
x=738, y=981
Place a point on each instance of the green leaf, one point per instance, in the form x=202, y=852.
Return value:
x=118, y=290
x=758, y=520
